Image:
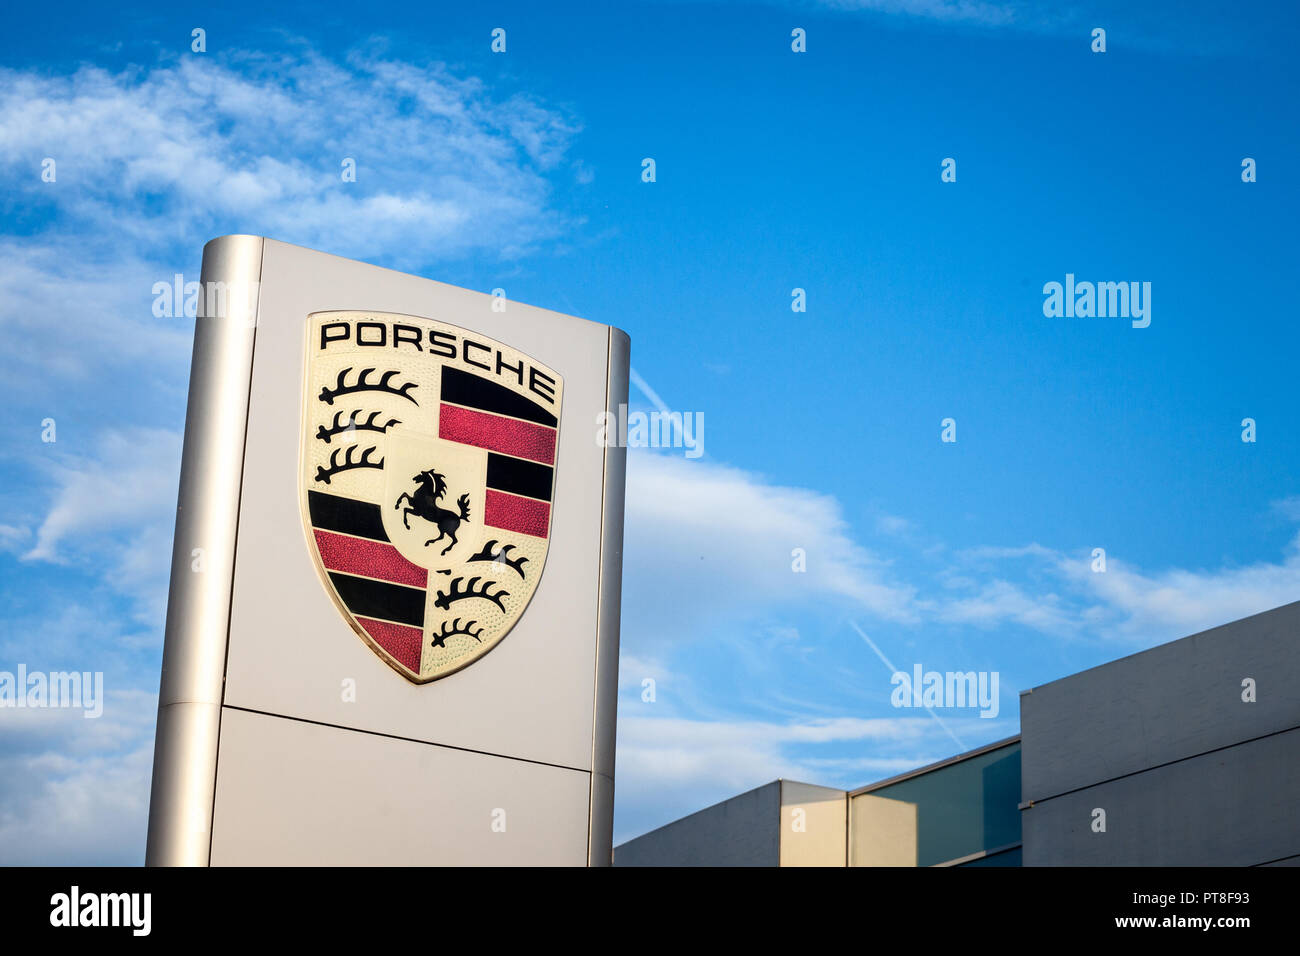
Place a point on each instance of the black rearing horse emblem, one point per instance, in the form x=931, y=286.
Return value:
x=424, y=504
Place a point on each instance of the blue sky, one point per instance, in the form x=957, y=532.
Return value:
x=775, y=170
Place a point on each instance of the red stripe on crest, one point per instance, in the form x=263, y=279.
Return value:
x=371, y=559
x=510, y=436
x=402, y=642
x=513, y=513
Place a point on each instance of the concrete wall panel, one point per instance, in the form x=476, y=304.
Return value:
x=742, y=831
x=882, y=831
x=1233, y=807
x=1167, y=703
x=814, y=825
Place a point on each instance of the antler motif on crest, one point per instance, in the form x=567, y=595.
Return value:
x=338, y=428
x=453, y=594
x=451, y=629
x=327, y=395
x=494, y=554
x=348, y=464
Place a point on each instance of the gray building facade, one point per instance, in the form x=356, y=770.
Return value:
x=1186, y=754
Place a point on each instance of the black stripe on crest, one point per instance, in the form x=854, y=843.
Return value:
x=346, y=516
x=462, y=388
x=519, y=477
x=390, y=602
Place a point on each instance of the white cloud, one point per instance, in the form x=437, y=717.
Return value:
x=633, y=669
x=1063, y=596
x=128, y=484
x=76, y=791
x=115, y=511
x=1161, y=605
x=1032, y=550
x=997, y=601
x=1288, y=508
x=64, y=316
x=184, y=150
x=151, y=163
x=892, y=525
x=706, y=541
x=676, y=752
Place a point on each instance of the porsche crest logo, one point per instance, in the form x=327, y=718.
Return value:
x=427, y=471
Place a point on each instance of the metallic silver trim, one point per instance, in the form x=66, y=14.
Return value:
x=198, y=606
x=600, y=822
x=600, y=841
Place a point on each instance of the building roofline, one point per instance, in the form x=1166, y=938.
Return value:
x=996, y=745
x=1164, y=645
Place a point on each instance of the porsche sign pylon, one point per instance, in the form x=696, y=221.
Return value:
x=392, y=630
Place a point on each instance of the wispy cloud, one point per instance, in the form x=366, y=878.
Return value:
x=126, y=484
x=997, y=602
x=114, y=511
x=256, y=143
x=723, y=542
x=76, y=791
x=1167, y=603
x=720, y=540
x=962, y=11
x=72, y=313
x=1060, y=593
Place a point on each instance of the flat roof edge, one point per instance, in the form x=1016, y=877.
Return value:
x=958, y=758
